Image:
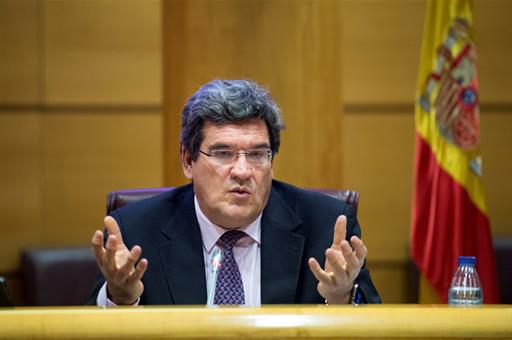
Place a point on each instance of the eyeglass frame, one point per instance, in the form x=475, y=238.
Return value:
x=269, y=154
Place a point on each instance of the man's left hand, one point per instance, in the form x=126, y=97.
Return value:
x=342, y=265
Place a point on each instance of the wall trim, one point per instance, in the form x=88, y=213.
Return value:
x=81, y=108
x=408, y=108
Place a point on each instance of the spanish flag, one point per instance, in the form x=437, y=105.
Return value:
x=449, y=213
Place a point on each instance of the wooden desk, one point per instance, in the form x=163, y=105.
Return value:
x=280, y=322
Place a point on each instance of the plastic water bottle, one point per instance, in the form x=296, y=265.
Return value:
x=465, y=289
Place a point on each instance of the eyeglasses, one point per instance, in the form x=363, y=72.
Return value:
x=227, y=157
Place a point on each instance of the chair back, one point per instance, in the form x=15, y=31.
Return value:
x=119, y=198
x=58, y=276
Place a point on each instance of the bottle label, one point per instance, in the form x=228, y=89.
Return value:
x=465, y=296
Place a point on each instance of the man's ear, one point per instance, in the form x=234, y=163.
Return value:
x=186, y=162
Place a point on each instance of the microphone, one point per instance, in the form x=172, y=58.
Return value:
x=216, y=264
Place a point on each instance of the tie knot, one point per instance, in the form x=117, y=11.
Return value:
x=231, y=237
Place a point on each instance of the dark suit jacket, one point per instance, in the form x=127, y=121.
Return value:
x=296, y=225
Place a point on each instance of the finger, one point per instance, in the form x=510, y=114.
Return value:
x=97, y=247
x=140, y=269
x=340, y=231
x=359, y=248
x=129, y=266
x=113, y=227
x=336, y=263
x=318, y=272
x=110, y=254
x=349, y=254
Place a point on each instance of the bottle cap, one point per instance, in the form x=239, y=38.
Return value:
x=467, y=260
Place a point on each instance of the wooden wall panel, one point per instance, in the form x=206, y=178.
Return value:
x=105, y=52
x=496, y=137
x=86, y=156
x=494, y=50
x=381, y=49
x=378, y=149
x=393, y=281
x=79, y=116
x=19, y=56
x=292, y=47
x=20, y=158
x=20, y=178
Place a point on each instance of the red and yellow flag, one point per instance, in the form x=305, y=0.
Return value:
x=449, y=214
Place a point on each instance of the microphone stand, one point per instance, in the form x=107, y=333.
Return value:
x=216, y=264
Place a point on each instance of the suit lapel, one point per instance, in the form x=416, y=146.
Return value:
x=281, y=252
x=181, y=253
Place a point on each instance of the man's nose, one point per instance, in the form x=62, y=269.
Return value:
x=241, y=166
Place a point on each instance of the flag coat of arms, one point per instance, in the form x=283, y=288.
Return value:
x=449, y=213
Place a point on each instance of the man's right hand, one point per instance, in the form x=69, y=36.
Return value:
x=119, y=265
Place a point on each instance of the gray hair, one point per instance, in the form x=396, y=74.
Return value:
x=226, y=101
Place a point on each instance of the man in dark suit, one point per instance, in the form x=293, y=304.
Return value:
x=163, y=250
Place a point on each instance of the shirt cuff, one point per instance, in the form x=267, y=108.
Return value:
x=103, y=301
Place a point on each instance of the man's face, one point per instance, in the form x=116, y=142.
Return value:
x=231, y=195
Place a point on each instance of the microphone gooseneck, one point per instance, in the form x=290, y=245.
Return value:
x=216, y=264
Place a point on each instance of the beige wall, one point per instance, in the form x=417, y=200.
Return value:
x=381, y=46
x=80, y=106
x=493, y=34
x=291, y=47
x=80, y=88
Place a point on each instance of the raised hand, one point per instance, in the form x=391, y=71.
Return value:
x=342, y=265
x=120, y=266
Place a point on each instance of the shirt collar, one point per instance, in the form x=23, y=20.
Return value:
x=211, y=232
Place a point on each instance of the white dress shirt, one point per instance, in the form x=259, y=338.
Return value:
x=247, y=253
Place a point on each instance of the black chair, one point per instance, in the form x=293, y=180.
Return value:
x=58, y=276
x=503, y=253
